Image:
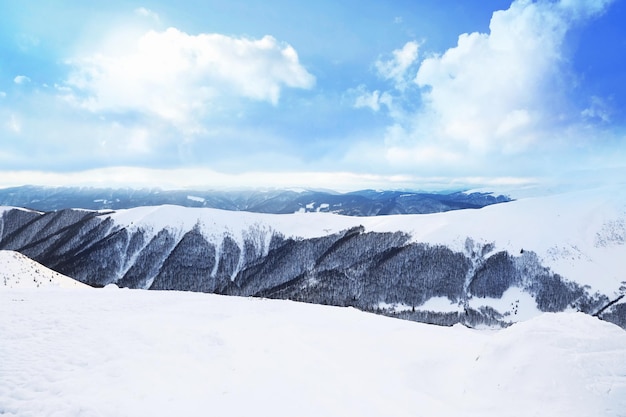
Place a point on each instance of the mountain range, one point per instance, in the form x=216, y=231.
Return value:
x=358, y=203
x=489, y=267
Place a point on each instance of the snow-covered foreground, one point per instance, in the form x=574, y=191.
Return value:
x=111, y=352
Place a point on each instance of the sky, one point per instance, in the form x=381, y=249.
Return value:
x=341, y=95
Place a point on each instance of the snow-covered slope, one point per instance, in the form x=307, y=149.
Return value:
x=579, y=235
x=18, y=271
x=147, y=353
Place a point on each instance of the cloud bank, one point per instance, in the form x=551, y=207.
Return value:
x=206, y=178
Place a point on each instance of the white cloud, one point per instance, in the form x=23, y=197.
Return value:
x=21, y=79
x=3, y=94
x=139, y=141
x=598, y=109
x=374, y=100
x=115, y=139
x=142, y=11
x=178, y=76
x=395, y=69
x=497, y=92
x=424, y=156
x=368, y=99
x=583, y=9
x=14, y=124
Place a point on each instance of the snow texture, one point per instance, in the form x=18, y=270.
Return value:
x=116, y=352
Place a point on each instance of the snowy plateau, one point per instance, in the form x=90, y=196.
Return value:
x=67, y=349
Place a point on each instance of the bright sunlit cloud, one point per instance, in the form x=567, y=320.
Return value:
x=178, y=76
x=495, y=94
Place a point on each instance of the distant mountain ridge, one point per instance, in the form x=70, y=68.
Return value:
x=358, y=203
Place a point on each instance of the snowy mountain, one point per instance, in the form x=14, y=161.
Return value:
x=18, y=271
x=494, y=266
x=358, y=203
x=151, y=353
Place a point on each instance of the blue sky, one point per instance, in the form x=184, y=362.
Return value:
x=343, y=95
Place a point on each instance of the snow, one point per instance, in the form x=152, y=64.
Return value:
x=18, y=271
x=440, y=304
x=196, y=199
x=394, y=307
x=215, y=223
x=118, y=352
x=4, y=209
x=515, y=304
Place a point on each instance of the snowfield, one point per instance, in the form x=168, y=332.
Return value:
x=116, y=352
